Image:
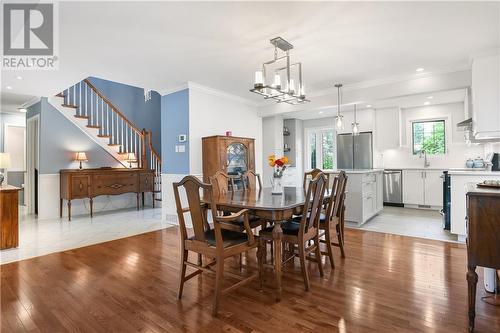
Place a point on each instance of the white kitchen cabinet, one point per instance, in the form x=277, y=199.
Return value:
x=387, y=128
x=423, y=188
x=433, y=188
x=486, y=96
x=413, y=187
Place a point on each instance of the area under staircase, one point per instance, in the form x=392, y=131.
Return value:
x=86, y=107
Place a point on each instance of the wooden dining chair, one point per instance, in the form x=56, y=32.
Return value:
x=309, y=175
x=334, y=217
x=219, y=242
x=250, y=180
x=299, y=234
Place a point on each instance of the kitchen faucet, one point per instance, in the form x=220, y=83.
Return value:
x=426, y=161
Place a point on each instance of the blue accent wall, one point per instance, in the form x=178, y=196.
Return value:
x=60, y=139
x=175, y=121
x=130, y=101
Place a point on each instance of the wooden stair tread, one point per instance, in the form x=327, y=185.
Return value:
x=60, y=95
x=103, y=136
x=113, y=144
x=81, y=117
x=70, y=106
x=93, y=126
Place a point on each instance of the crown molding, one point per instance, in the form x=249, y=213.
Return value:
x=173, y=90
x=386, y=81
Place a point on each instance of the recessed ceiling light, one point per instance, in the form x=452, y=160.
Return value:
x=19, y=77
x=427, y=103
x=430, y=97
x=420, y=69
x=321, y=112
x=23, y=110
x=368, y=105
x=8, y=87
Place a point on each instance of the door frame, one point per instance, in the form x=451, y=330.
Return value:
x=32, y=160
x=319, y=148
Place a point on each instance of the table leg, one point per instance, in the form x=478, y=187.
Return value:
x=472, y=283
x=91, y=207
x=60, y=207
x=277, y=236
x=69, y=210
x=142, y=199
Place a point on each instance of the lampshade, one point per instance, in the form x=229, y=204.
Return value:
x=131, y=157
x=4, y=160
x=81, y=156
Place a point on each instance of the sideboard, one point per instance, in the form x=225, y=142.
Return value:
x=90, y=183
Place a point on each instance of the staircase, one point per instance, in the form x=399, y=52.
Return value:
x=99, y=119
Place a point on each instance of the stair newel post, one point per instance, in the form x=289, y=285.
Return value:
x=143, y=148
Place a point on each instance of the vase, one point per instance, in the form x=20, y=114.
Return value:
x=277, y=185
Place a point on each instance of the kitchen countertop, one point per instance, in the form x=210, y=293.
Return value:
x=434, y=168
x=473, y=189
x=354, y=171
x=474, y=173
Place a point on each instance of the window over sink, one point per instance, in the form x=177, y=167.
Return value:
x=429, y=136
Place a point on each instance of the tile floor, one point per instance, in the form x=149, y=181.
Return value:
x=408, y=222
x=43, y=237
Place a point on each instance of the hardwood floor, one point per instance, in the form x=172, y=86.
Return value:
x=387, y=283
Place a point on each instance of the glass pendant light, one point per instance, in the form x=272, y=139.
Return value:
x=339, y=119
x=355, y=124
x=259, y=79
x=277, y=81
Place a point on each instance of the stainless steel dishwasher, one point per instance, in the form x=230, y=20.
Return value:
x=393, y=187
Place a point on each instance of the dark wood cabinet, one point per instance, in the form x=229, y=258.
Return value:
x=90, y=183
x=233, y=155
x=483, y=237
x=9, y=216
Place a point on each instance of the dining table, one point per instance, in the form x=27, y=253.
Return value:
x=270, y=207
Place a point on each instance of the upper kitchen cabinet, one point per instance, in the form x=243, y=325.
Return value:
x=486, y=97
x=387, y=128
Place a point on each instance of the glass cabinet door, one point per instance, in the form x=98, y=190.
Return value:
x=236, y=159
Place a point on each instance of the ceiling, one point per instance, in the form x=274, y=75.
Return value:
x=10, y=103
x=162, y=45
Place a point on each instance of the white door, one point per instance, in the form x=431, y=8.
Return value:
x=434, y=188
x=413, y=187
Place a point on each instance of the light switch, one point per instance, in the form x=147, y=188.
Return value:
x=182, y=149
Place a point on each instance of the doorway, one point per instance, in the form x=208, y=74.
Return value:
x=15, y=146
x=32, y=163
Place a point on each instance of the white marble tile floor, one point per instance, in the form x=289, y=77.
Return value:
x=38, y=238
x=408, y=222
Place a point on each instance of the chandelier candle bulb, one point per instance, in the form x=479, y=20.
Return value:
x=291, y=87
x=259, y=79
x=277, y=81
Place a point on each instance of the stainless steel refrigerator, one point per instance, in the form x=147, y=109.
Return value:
x=355, y=151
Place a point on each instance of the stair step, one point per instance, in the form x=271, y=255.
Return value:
x=103, y=136
x=93, y=126
x=61, y=95
x=113, y=144
x=157, y=199
x=70, y=106
x=123, y=153
x=81, y=117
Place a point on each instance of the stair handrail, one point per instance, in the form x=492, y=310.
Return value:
x=114, y=108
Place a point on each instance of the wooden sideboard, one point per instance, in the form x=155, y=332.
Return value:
x=9, y=216
x=483, y=237
x=90, y=183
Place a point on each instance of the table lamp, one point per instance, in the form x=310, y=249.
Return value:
x=131, y=159
x=4, y=164
x=81, y=157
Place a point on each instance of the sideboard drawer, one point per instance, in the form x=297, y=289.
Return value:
x=145, y=182
x=80, y=186
x=113, y=184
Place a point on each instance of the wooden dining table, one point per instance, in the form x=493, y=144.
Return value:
x=269, y=207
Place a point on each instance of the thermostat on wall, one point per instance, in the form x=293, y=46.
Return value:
x=182, y=137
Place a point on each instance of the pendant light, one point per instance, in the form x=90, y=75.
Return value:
x=339, y=119
x=355, y=124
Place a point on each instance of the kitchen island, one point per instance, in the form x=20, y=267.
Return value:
x=364, y=197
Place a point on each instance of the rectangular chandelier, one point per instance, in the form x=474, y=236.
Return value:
x=290, y=94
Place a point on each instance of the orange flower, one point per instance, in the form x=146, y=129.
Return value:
x=284, y=159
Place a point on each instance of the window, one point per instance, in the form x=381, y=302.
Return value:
x=429, y=136
x=320, y=148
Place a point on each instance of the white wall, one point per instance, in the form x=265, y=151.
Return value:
x=272, y=136
x=457, y=150
x=212, y=113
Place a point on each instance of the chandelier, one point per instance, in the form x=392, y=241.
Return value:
x=290, y=93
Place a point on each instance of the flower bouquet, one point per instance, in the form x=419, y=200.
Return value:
x=279, y=166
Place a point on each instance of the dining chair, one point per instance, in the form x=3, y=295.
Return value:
x=308, y=175
x=219, y=242
x=299, y=234
x=220, y=187
x=334, y=217
x=250, y=180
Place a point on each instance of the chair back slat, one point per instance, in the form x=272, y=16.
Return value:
x=309, y=175
x=338, y=190
x=314, y=202
x=250, y=180
x=220, y=183
x=192, y=187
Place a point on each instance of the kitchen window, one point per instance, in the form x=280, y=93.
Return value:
x=320, y=148
x=429, y=136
